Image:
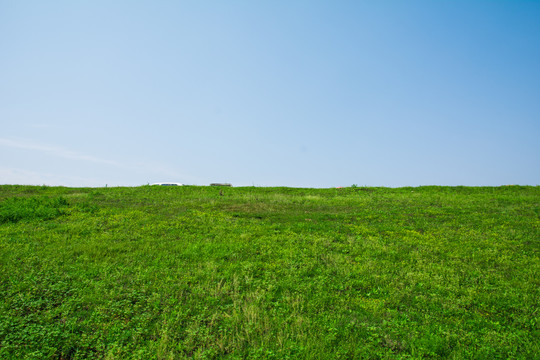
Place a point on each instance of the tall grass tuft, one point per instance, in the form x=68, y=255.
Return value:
x=31, y=208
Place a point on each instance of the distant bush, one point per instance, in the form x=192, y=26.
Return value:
x=29, y=208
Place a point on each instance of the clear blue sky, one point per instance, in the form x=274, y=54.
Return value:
x=270, y=93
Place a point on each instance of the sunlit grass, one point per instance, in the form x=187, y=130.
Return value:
x=269, y=273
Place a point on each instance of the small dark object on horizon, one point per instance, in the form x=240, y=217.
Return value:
x=220, y=184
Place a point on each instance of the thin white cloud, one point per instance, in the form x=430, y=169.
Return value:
x=27, y=177
x=150, y=172
x=53, y=150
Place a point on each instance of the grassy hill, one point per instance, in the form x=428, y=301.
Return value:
x=269, y=273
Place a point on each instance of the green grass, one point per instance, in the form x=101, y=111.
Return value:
x=269, y=273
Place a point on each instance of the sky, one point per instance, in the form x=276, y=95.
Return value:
x=270, y=93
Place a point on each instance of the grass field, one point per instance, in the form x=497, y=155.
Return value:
x=269, y=273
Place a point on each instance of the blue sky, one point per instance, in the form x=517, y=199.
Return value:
x=270, y=93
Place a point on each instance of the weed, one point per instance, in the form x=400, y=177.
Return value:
x=17, y=209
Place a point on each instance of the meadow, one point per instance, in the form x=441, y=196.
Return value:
x=198, y=272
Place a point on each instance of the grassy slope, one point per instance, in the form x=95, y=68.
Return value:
x=269, y=273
